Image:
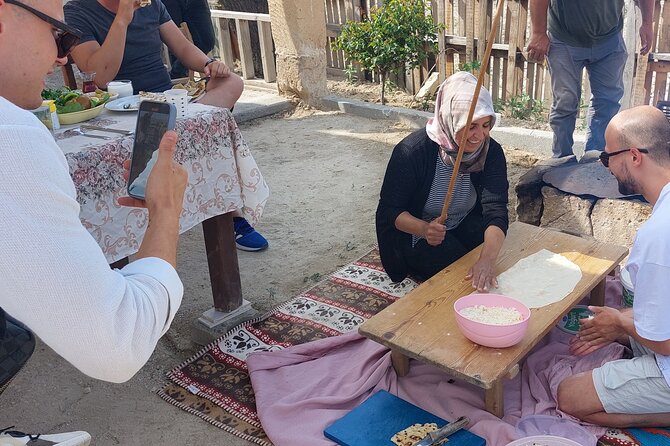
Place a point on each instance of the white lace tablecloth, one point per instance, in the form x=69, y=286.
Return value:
x=222, y=175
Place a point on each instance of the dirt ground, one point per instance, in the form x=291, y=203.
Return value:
x=324, y=171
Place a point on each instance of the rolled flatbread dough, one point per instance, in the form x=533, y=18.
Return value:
x=540, y=279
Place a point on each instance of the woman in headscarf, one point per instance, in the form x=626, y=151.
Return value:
x=411, y=241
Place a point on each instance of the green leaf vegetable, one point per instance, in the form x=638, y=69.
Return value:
x=70, y=101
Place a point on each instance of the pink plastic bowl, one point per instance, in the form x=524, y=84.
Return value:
x=490, y=335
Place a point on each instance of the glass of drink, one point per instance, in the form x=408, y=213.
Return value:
x=122, y=87
x=88, y=85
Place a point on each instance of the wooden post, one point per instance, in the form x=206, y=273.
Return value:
x=267, y=51
x=485, y=11
x=469, y=31
x=246, y=58
x=520, y=43
x=224, y=271
x=225, y=45
x=441, y=55
x=663, y=47
x=449, y=29
x=513, y=40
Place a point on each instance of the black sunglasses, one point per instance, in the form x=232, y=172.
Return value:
x=605, y=156
x=66, y=36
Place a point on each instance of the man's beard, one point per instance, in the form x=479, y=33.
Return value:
x=627, y=186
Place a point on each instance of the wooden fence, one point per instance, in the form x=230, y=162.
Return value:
x=510, y=74
x=236, y=43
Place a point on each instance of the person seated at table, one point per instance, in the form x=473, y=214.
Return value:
x=55, y=278
x=121, y=40
x=196, y=14
x=632, y=392
x=411, y=239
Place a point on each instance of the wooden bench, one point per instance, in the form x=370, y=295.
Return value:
x=422, y=324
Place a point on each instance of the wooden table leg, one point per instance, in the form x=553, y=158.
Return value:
x=494, y=399
x=598, y=294
x=400, y=363
x=224, y=271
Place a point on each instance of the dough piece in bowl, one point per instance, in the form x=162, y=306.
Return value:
x=540, y=279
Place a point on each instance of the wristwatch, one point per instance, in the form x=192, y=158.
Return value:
x=211, y=59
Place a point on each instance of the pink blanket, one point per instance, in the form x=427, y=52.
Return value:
x=303, y=389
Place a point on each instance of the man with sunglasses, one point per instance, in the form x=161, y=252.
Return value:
x=55, y=278
x=632, y=392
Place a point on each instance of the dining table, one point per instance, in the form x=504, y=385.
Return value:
x=223, y=177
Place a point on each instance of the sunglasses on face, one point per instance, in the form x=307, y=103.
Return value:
x=605, y=156
x=66, y=36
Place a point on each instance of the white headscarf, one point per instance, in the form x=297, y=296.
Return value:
x=451, y=114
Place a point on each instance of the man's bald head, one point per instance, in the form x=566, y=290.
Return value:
x=27, y=49
x=644, y=127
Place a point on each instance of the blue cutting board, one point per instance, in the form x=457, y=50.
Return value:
x=378, y=418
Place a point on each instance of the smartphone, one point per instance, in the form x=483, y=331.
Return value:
x=153, y=120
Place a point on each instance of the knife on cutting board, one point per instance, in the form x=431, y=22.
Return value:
x=436, y=437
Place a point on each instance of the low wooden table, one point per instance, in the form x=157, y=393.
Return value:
x=422, y=324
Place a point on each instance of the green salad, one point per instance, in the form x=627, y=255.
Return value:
x=70, y=101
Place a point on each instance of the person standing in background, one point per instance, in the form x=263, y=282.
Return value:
x=573, y=35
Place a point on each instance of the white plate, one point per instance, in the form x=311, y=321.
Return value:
x=127, y=104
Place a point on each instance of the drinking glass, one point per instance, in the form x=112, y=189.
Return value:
x=88, y=85
x=179, y=98
x=122, y=87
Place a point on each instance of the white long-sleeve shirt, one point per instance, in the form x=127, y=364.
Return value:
x=53, y=275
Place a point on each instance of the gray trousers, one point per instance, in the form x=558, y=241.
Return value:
x=604, y=63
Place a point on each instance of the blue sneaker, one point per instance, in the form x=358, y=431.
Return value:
x=246, y=237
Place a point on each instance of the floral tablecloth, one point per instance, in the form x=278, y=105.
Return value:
x=223, y=175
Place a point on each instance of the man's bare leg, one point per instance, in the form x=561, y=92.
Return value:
x=577, y=396
x=223, y=91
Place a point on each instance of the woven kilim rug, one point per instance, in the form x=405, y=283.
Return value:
x=647, y=436
x=215, y=384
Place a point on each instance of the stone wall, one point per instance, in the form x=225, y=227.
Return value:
x=607, y=220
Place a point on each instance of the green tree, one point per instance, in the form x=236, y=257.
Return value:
x=399, y=32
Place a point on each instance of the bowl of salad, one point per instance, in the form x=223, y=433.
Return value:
x=73, y=106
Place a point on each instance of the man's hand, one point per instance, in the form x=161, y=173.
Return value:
x=217, y=69
x=538, y=47
x=126, y=11
x=646, y=37
x=483, y=275
x=166, y=183
x=434, y=233
x=596, y=332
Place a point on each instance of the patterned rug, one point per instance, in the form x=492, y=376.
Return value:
x=636, y=437
x=214, y=384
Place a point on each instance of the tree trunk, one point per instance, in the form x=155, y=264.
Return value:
x=383, y=81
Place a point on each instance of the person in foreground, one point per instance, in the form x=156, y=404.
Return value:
x=121, y=40
x=632, y=392
x=411, y=240
x=55, y=278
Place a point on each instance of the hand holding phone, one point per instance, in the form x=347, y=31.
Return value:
x=164, y=199
x=153, y=120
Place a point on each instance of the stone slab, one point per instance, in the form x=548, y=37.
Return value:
x=565, y=212
x=617, y=221
x=592, y=179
